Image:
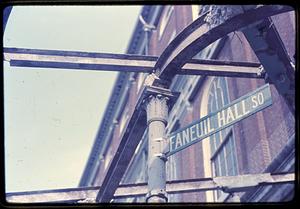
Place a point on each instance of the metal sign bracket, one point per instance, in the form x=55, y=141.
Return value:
x=164, y=148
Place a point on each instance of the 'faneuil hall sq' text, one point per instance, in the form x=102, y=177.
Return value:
x=214, y=122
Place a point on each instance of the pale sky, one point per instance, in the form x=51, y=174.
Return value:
x=52, y=116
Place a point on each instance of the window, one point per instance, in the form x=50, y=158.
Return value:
x=195, y=11
x=107, y=159
x=172, y=36
x=165, y=19
x=198, y=10
x=140, y=80
x=123, y=120
x=223, y=152
x=204, y=9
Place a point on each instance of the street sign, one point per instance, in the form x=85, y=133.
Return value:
x=228, y=115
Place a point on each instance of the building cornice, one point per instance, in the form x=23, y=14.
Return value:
x=100, y=143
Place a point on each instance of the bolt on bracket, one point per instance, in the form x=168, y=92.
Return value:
x=164, y=146
x=261, y=71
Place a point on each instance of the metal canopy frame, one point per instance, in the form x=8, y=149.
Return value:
x=176, y=59
x=187, y=44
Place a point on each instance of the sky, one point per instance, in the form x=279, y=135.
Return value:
x=51, y=116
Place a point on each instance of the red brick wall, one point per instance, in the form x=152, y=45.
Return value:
x=260, y=137
x=190, y=160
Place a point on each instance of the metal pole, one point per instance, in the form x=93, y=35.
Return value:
x=157, y=113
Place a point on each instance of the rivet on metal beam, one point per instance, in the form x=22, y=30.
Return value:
x=261, y=71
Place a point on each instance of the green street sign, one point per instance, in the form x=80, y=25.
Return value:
x=230, y=114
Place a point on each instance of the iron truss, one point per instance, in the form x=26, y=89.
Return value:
x=177, y=58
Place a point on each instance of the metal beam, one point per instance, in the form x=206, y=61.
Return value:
x=270, y=50
x=129, y=140
x=225, y=183
x=21, y=57
x=78, y=60
x=199, y=34
x=222, y=68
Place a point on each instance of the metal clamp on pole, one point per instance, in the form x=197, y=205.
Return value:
x=157, y=193
x=164, y=148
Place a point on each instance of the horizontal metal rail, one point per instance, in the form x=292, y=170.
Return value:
x=78, y=60
x=21, y=57
x=225, y=183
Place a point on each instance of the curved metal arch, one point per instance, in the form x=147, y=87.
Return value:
x=198, y=36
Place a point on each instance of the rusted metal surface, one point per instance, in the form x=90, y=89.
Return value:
x=199, y=34
x=21, y=57
x=222, y=68
x=78, y=60
x=88, y=194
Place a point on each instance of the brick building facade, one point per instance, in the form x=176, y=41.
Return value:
x=263, y=142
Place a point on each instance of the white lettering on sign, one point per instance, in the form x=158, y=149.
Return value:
x=234, y=112
x=257, y=100
x=227, y=115
x=191, y=134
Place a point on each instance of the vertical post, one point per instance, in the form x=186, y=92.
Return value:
x=157, y=113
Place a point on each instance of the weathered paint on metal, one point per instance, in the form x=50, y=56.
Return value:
x=167, y=66
x=124, y=153
x=198, y=35
x=78, y=60
x=222, y=68
x=21, y=57
x=193, y=45
x=157, y=116
x=129, y=140
x=225, y=183
x=228, y=115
